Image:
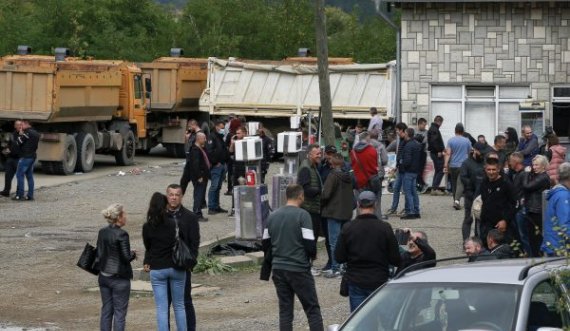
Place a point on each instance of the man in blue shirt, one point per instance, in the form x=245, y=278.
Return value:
x=457, y=151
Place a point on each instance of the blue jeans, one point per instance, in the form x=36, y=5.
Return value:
x=334, y=227
x=357, y=295
x=115, y=292
x=25, y=168
x=397, y=188
x=176, y=280
x=411, y=192
x=217, y=178
x=522, y=228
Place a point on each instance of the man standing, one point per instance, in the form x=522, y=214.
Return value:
x=528, y=145
x=368, y=246
x=375, y=125
x=409, y=169
x=28, y=140
x=471, y=176
x=421, y=137
x=197, y=169
x=310, y=180
x=289, y=244
x=517, y=176
x=364, y=160
x=175, y=212
x=457, y=151
x=499, y=147
x=325, y=166
x=556, y=231
x=218, y=156
x=436, y=149
x=191, y=132
x=238, y=167
x=12, y=153
x=267, y=144
x=397, y=185
x=498, y=199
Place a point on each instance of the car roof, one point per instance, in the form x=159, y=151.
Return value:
x=509, y=271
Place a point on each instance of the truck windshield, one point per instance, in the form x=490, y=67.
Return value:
x=438, y=307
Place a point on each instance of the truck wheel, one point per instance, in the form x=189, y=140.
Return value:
x=176, y=150
x=47, y=167
x=67, y=164
x=126, y=156
x=85, y=152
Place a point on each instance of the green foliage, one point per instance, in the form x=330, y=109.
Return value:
x=141, y=30
x=211, y=265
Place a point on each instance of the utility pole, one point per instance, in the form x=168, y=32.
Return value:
x=323, y=65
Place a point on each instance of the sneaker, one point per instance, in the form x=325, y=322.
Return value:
x=220, y=210
x=401, y=213
x=202, y=219
x=332, y=274
x=29, y=198
x=4, y=193
x=390, y=212
x=409, y=217
x=456, y=205
x=17, y=198
x=227, y=193
x=315, y=272
x=212, y=212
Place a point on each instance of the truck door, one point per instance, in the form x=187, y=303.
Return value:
x=139, y=111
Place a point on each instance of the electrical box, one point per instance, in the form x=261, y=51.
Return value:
x=249, y=149
x=289, y=142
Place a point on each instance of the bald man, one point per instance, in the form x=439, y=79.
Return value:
x=197, y=170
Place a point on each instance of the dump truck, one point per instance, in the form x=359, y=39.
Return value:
x=80, y=107
x=177, y=84
x=290, y=88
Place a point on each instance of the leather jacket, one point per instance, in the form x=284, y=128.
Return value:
x=533, y=186
x=114, y=252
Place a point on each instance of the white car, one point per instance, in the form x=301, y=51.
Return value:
x=499, y=295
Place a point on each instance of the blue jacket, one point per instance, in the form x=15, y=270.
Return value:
x=411, y=155
x=557, y=219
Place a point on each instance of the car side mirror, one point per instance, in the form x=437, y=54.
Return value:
x=335, y=327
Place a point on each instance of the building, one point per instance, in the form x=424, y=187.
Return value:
x=488, y=64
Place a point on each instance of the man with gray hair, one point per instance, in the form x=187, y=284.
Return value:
x=197, y=169
x=556, y=227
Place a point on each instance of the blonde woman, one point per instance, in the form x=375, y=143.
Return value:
x=115, y=256
x=534, y=183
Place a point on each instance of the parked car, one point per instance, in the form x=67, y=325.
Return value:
x=499, y=295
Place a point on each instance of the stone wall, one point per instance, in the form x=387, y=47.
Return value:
x=490, y=43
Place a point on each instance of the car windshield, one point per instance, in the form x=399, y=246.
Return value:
x=438, y=307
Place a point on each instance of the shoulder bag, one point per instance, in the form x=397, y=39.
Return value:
x=375, y=181
x=88, y=260
x=181, y=255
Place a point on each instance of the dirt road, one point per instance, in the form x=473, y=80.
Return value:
x=40, y=242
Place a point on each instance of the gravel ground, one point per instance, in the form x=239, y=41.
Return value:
x=40, y=242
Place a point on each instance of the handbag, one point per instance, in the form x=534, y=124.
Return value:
x=375, y=181
x=181, y=255
x=88, y=260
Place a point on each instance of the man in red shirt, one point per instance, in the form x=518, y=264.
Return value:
x=364, y=160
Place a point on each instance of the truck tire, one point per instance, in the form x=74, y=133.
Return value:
x=67, y=164
x=47, y=167
x=85, y=152
x=126, y=156
x=176, y=150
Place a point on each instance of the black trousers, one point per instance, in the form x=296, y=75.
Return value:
x=188, y=304
x=290, y=283
x=115, y=292
x=423, y=160
x=10, y=168
x=534, y=227
x=468, y=219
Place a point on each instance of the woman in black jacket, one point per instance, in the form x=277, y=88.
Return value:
x=115, y=256
x=534, y=183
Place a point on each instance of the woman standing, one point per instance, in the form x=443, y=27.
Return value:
x=115, y=256
x=512, y=141
x=556, y=155
x=534, y=183
x=159, y=236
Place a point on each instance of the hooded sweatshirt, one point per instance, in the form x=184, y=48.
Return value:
x=558, y=157
x=364, y=163
x=557, y=217
x=337, y=196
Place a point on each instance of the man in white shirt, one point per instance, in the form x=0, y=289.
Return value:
x=375, y=124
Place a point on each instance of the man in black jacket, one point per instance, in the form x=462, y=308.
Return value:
x=12, y=153
x=368, y=246
x=410, y=168
x=517, y=176
x=436, y=149
x=28, y=140
x=289, y=246
x=197, y=169
x=218, y=155
x=267, y=144
x=471, y=175
x=418, y=251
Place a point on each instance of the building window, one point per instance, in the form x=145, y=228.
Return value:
x=561, y=110
x=486, y=110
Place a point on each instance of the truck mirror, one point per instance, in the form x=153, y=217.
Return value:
x=148, y=85
x=147, y=95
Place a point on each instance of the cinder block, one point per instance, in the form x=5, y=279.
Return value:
x=206, y=245
x=237, y=261
x=256, y=257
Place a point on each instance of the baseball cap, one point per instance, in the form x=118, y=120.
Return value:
x=366, y=198
x=330, y=149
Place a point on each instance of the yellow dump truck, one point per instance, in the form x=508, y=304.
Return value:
x=80, y=107
x=177, y=84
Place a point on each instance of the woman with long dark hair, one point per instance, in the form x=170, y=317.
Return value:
x=512, y=141
x=159, y=237
x=115, y=256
